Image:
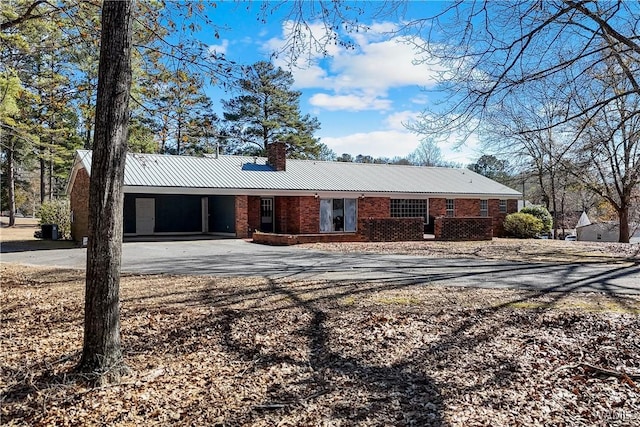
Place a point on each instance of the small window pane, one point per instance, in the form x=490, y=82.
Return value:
x=503, y=206
x=450, y=207
x=484, y=208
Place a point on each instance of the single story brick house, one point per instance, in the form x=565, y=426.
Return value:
x=246, y=196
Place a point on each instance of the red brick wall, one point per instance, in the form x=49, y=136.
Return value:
x=277, y=155
x=498, y=217
x=391, y=229
x=295, y=239
x=374, y=207
x=253, y=213
x=293, y=220
x=79, y=202
x=461, y=207
x=458, y=228
x=467, y=207
x=309, y=214
x=437, y=207
x=301, y=215
x=242, y=217
x=287, y=214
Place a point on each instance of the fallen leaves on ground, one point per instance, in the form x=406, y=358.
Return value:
x=238, y=351
x=530, y=250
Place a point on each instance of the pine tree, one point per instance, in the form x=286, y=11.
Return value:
x=267, y=111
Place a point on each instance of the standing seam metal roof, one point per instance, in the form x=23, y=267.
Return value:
x=249, y=173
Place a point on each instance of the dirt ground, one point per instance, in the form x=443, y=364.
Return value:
x=238, y=351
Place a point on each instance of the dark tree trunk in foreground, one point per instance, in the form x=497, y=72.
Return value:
x=101, y=354
x=623, y=216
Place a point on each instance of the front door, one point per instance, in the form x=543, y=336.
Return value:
x=145, y=216
x=266, y=215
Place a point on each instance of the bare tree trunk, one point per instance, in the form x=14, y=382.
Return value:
x=102, y=354
x=11, y=187
x=50, y=173
x=554, y=205
x=623, y=216
x=87, y=139
x=43, y=185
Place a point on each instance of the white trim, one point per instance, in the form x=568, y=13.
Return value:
x=309, y=193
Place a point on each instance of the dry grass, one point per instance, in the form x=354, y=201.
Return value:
x=22, y=231
x=529, y=250
x=211, y=351
x=20, y=237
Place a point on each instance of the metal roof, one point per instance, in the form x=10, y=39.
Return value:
x=247, y=174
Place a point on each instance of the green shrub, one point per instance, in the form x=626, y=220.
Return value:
x=542, y=214
x=523, y=225
x=57, y=212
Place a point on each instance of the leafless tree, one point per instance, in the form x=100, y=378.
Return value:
x=493, y=49
x=427, y=154
x=498, y=55
x=608, y=156
x=522, y=129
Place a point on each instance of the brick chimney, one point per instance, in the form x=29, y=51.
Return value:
x=277, y=155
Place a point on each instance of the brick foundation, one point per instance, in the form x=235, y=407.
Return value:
x=369, y=230
x=452, y=229
x=297, y=239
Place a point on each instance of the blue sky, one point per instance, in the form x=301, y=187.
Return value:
x=361, y=96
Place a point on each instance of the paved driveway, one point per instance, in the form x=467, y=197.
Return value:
x=240, y=258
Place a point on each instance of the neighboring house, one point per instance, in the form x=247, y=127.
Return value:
x=599, y=232
x=605, y=232
x=236, y=196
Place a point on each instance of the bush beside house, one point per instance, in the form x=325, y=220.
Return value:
x=57, y=212
x=542, y=214
x=523, y=225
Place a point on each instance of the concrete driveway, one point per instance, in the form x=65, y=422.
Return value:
x=240, y=258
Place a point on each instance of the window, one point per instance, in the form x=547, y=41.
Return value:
x=484, y=208
x=338, y=215
x=409, y=208
x=450, y=207
x=503, y=206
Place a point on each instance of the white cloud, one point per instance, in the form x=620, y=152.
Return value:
x=386, y=143
x=348, y=102
x=399, y=119
x=374, y=66
x=420, y=99
x=398, y=142
x=379, y=66
x=219, y=49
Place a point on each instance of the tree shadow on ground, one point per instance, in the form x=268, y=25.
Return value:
x=36, y=245
x=292, y=346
